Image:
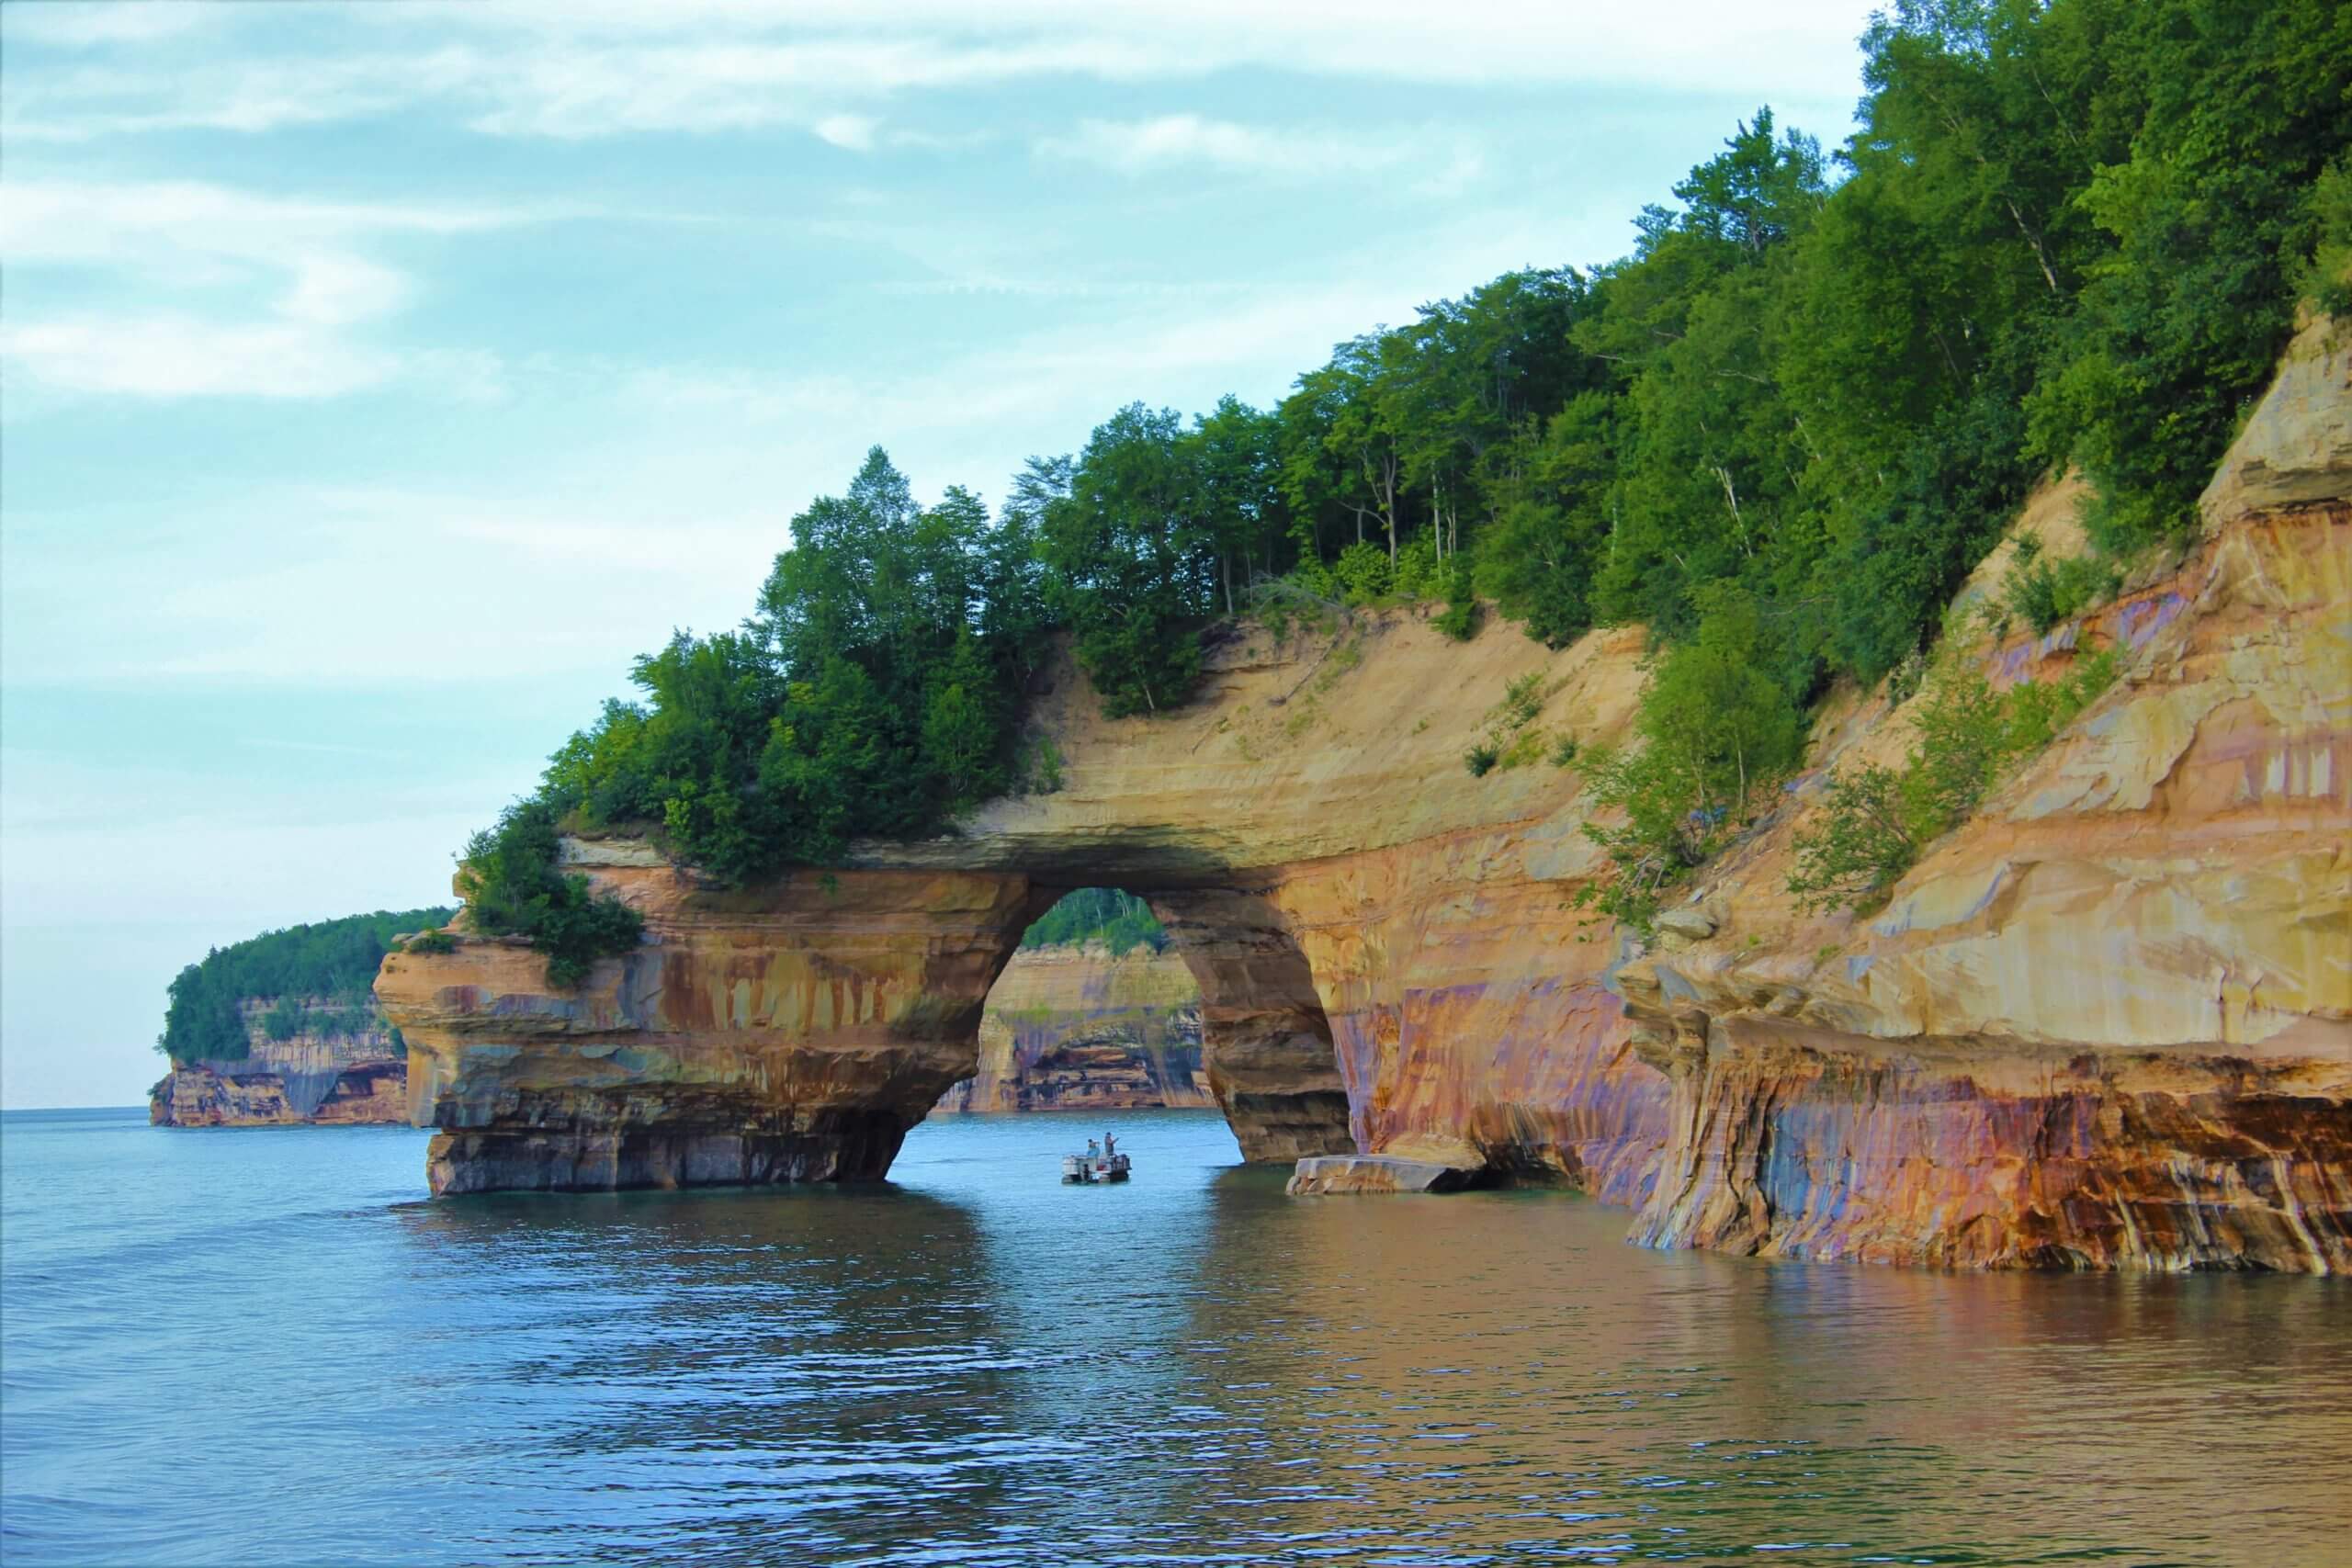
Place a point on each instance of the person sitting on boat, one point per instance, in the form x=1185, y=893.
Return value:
x=1093, y=1149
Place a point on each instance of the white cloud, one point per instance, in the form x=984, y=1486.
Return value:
x=103, y=22
x=179, y=357
x=852, y=131
x=579, y=71
x=1147, y=146
x=295, y=265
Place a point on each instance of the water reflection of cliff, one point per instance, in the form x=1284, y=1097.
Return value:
x=979, y=1365
x=1500, y=1371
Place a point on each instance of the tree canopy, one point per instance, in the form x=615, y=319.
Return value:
x=2068, y=233
x=332, y=964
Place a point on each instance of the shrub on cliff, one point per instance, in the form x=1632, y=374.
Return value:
x=332, y=962
x=1716, y=734
x=513, y=885
x=1874, y=822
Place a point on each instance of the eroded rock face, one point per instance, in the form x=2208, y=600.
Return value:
x=309, y=1079
x=2108, y=1020
x=1080, y=1028
x=237, y=1094
x=790, y=1032
x=2103, y=1024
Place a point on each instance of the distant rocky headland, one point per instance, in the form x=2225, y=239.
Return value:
x=282, y=1030
x=1080, y=1028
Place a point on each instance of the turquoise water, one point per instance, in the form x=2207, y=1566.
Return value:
x=266, y=1346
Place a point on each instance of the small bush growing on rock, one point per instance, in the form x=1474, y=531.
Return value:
x=1875, y=821
x=1522, y=750
x=1461, y=619
x=2046, y=594
x=1862, y=844
x=511, y=885
x=1563, y=751
x=1481, y=759
x=1715, y=732
x=1522, y=700
x=432, y=940
x=1041, y=767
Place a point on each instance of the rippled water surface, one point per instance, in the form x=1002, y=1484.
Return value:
x=264, y=1346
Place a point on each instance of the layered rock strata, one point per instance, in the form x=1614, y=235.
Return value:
x=309, y=1078
x=1081, y=1028
x=2102, y=1024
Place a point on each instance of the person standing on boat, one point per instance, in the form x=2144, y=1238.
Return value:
x=1110, y=1145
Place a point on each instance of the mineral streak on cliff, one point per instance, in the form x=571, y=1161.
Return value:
x=327, y=1078
x=2103, y=1024
x=1078, y=1028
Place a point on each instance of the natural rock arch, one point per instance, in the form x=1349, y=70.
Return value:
x=797, y=1031
x=1373, y=930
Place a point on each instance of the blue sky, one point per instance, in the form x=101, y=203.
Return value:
x=377, y=379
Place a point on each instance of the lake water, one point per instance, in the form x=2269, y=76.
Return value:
x=266, y=1346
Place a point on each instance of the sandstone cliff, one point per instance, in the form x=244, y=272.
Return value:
x=2105, y=1024
x=1078, y=1029
x=358, y=1076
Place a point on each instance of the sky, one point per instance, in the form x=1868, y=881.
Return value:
x=378, y=379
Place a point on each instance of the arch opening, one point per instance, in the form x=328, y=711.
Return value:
x=1175, y=997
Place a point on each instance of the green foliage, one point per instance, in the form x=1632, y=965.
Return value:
x=1525, y=747
x=2204, y=225
x=513, y=885
x=1120, y=922
x=285, y=1018
x=431, y=939
x=2068, y=233
x=2045, y=593
x=1563, y=751
x=2326, y=279
x=1364, y=573
x=1874, y=821
x=1716, y=734
x=1462, y=617
x=1522, y=700
x=2038, y=710
x=1129, y=565
x=332, y=962
x=1040, y=772
x=1481, y=758
x=1860, y=844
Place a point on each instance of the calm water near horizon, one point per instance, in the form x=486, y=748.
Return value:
x=265, y=1347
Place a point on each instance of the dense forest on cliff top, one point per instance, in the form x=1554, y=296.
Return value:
x=320, y=976
x=1779, y=432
